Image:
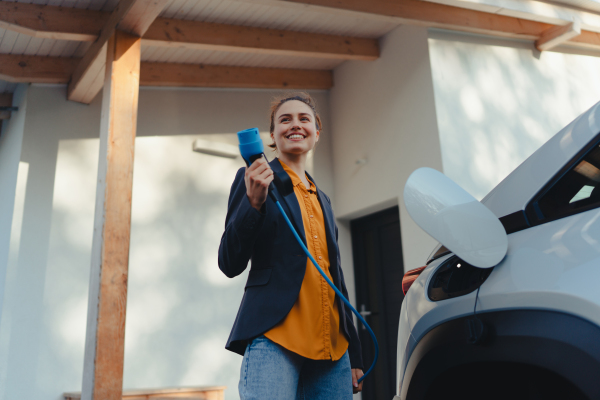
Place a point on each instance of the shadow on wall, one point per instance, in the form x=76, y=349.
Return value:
x=497, y=104
x=180, y=306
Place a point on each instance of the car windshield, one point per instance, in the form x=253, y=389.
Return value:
x=577, y=190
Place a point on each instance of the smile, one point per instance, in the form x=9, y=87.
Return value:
x=295, y=136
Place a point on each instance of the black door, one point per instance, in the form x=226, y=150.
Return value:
x=378, y=272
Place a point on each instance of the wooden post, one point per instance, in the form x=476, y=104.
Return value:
x=105, y=336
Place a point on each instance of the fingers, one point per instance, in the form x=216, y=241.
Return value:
x=356, y=374
x=259, y=172
x=258, y=165
x=257, y=178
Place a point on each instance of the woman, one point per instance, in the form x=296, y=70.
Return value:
x=297, y=338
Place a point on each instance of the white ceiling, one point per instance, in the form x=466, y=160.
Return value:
x=588, y=5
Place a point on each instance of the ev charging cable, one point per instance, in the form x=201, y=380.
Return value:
x=336, y=290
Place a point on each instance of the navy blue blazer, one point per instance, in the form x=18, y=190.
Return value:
x=278, y=263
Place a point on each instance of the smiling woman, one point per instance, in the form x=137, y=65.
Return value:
x=296, y=336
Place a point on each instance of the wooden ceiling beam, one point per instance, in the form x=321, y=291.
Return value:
x=418, y=12
x=222, y=37
x=557, y=35
x=426, y=13
x=130, y=16
x=36, y=69
x=51, y=22
x=164, y=74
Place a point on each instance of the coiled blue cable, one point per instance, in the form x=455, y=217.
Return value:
x=340, y=295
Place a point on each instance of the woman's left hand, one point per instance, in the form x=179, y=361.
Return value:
x=356, y=374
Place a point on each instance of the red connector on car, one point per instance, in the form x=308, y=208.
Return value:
x=410, y=277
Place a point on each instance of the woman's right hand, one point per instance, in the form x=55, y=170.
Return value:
x=258, y=177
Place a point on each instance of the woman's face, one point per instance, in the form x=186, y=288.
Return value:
x=295, y=128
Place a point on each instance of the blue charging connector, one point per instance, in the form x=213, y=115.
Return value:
x=252, y=148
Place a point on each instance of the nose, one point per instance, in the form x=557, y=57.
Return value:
x=295, y=124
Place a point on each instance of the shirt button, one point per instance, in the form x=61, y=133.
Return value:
x=315, y=236
x=312, y=216
x=320, y=258
x=305, y=195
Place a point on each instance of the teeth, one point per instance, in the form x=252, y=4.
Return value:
x=295, y=137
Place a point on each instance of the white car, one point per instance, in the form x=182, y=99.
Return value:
x=527, y=325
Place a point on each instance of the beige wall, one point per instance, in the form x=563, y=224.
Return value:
x=498, y=101
x=382, y=111
x=11, y=140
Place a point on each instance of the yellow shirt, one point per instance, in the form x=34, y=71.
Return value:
x=312, y=327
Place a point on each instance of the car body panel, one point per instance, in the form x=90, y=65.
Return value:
x=554, y=266
x=543, y=269
x=406, y=338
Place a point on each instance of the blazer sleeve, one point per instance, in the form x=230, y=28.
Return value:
x=354, y=347
x=242, y=224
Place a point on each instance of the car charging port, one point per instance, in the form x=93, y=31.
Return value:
x=456, y=278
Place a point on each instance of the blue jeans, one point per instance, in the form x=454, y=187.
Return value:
x=270, y=371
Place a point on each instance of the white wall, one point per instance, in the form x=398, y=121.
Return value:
x=383, y=111
x=11, y=140
x=180, y=306
x=37, y=355
x=498, y=101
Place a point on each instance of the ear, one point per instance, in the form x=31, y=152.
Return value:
x=317, y=137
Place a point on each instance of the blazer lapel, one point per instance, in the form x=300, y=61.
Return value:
x=289, y=203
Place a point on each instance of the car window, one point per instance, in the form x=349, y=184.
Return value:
x=577, y=190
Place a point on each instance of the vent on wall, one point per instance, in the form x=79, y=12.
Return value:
x=215, y=148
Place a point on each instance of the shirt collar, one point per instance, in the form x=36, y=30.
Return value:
x=296, y=179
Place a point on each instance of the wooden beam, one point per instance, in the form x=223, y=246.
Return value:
x=533, y=10
x=133, y=16
x=587, y=39
x=163, y=74
x=105, y=337
x=36, y=69
x=418, y=12
x=221, y=37
x=85, y=85
x=425, y=13
x=181, y=393
x=557, y=35
x=5, y=101
x=51, y=22
x=142, y=15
